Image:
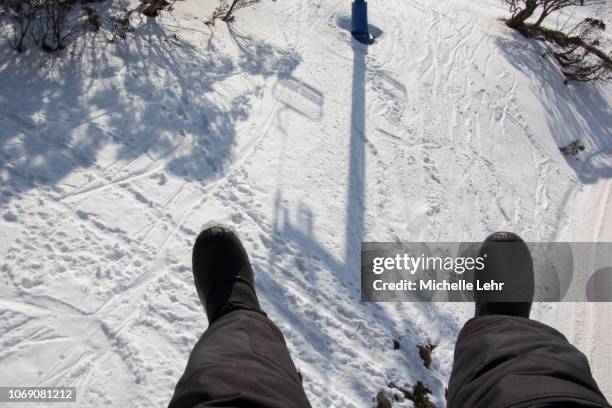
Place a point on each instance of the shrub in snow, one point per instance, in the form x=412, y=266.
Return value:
x=382, y=401
x=53, y=29
x=92, y=19
x=19, y=16
x=577, y=49
x=153, y=7
x=425, y=353
x=524, y=9
x=521, y=10
x=226, y=9
x=419, y=394
x=51, y=23
x=572, y=149
x=121, y=24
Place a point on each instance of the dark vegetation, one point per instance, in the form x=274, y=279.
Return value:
x=419, y=394
x=572, y=149
x=53, y=24
x=227, y=9
x=425, y=351
x=577, y=49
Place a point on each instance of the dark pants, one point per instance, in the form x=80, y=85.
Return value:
x=503, y=361
x=240, y=361
x=500, y=361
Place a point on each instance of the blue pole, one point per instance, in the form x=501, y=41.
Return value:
x=359, y=21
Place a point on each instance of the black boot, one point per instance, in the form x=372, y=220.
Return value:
x=508, y=260
x=222, y=273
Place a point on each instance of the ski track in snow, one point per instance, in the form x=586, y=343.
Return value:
x=108, y=177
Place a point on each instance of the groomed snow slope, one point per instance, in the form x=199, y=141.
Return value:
x=113, y=157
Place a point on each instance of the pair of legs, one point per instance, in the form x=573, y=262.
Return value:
x=502, y=359
x=242, y=359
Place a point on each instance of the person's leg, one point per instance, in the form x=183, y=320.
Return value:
x=242, y=359
x=508, y=361
x=504, y=359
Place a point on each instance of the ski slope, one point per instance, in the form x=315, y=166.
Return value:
x=113, y=157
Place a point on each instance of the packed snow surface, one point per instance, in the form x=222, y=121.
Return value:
x=114, y=156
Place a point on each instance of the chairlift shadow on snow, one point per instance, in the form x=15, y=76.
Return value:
x=321, y=272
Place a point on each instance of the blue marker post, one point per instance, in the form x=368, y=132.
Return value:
x=359, y=22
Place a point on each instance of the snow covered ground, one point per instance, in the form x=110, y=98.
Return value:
x=113, y=157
